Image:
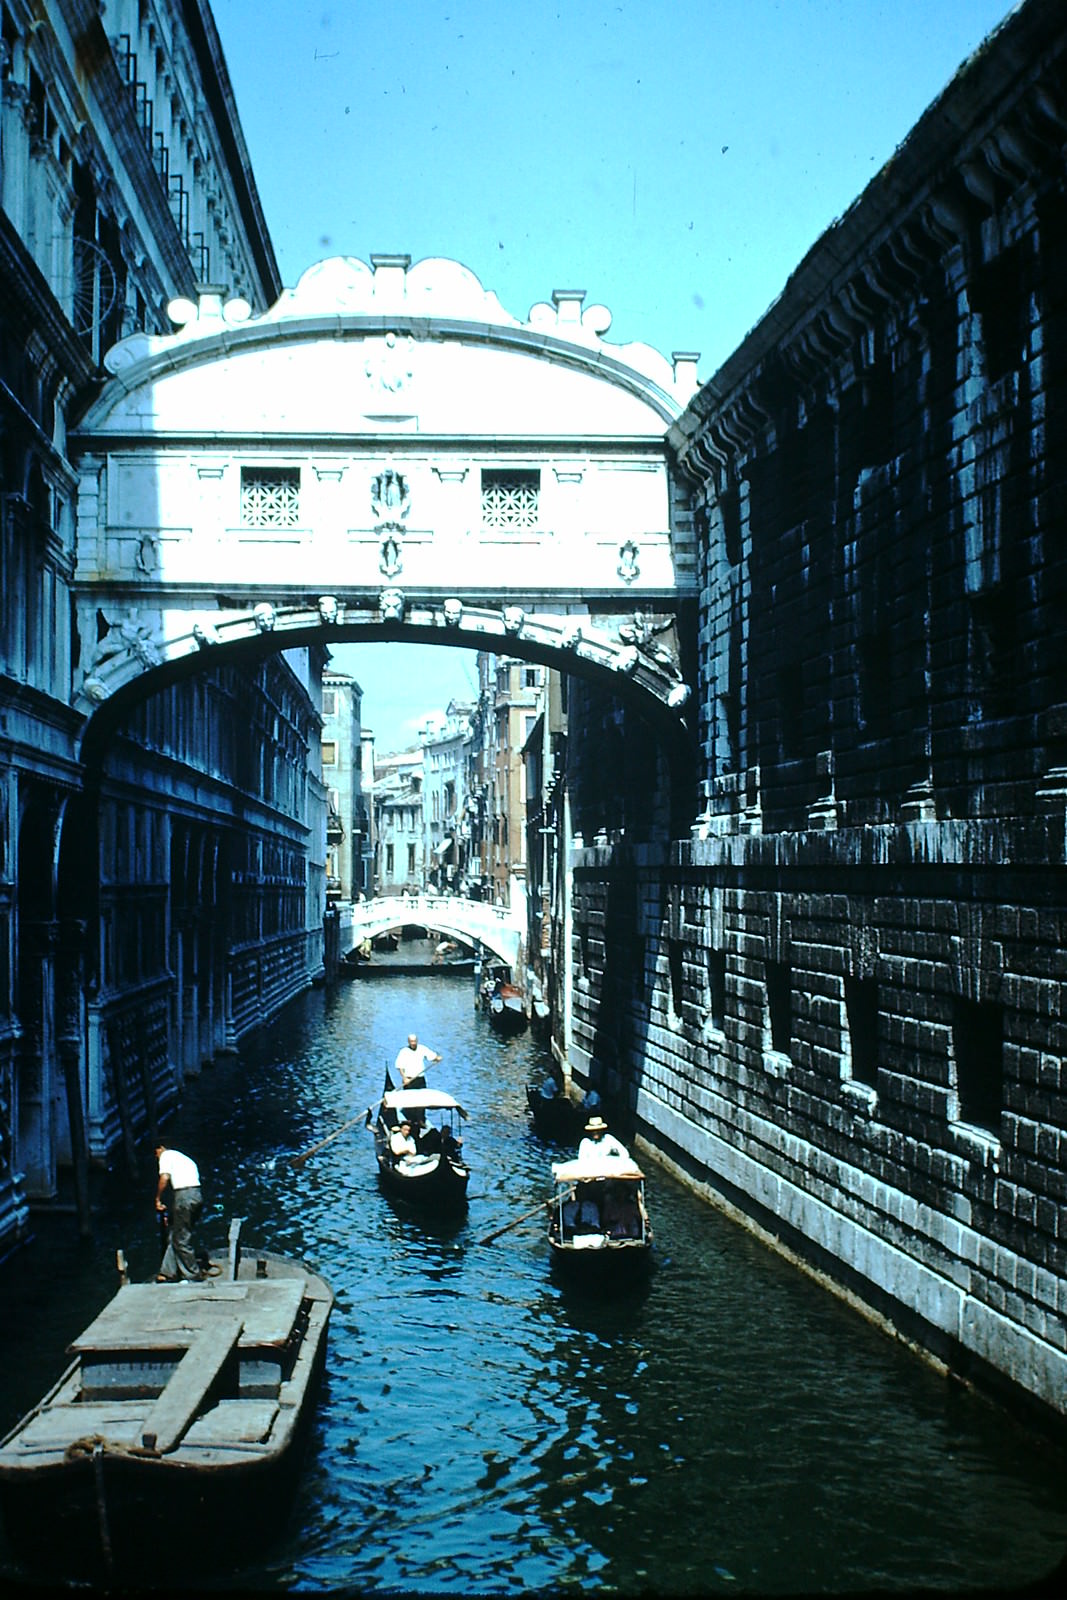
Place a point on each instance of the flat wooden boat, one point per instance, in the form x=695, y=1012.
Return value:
x=177, y=1428
x=437, y=1174
x=598, y=1222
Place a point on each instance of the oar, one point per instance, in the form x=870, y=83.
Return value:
x=296, y=1161
x=524, y=1218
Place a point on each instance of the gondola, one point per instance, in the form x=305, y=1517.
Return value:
x=556, y=1115
x=507, y=1011
x=598, y=1223
x=501, y=1000
x=176, y=1430
x=436, y=1175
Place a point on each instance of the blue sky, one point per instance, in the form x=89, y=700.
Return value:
x=674, y=158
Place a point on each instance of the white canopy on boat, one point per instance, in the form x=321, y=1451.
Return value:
x=421, y=1100
x=588, y=1171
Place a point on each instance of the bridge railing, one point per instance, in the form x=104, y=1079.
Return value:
x=500, y=928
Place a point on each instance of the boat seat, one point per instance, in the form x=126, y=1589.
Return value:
x=201, y=1364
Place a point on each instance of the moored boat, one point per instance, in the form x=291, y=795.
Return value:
x=507, y=1011
x=501, y=1000
x=177, y=1428
x=557, y=1116
x=598, y=1222
x=434, y=1171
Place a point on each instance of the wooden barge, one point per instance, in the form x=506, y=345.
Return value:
x=177, y=1428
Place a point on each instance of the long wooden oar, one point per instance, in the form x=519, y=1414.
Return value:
x=524, y=1218
x=296, y=1161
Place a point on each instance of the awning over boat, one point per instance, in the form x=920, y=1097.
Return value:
x=421, y=1100
x=588, y=1171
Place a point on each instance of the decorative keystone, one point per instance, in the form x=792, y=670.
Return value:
x=391, y=605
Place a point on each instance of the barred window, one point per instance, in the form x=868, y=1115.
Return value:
x=509, y=499
x=270, y=497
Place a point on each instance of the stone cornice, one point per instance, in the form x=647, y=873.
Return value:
x=218, y=92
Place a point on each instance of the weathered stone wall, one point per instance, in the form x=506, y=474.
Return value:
x=842, y=1134
x=838, y=1001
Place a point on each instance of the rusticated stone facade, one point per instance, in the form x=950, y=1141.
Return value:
x=838, y=1002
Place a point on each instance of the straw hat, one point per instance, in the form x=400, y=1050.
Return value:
x=596, y=1125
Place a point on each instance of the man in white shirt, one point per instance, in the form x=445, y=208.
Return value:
x=180, y=1173
x=599, y=1144
x=412, y=1061
x=402, y=1141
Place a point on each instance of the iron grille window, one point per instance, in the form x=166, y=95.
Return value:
x=510, y=499
x=270, y=497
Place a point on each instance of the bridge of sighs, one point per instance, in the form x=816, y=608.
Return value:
x=385, y=454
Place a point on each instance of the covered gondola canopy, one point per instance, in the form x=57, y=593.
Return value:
x=589, y=1171
x=404, y=1100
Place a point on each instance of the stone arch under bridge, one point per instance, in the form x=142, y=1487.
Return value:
x=386, y=454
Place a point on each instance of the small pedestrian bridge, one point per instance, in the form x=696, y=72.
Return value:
x=499, y=928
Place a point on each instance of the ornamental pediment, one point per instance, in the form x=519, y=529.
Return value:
x=399, y=346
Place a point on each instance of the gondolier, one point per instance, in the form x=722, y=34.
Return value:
x=599, y=1143
x=412, y=1061
x=180, y=1173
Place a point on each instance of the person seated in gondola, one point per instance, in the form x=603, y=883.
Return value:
x=587, y=1213
x=450, y=1144
x=402, y=1143
x=427, y=1137
x=621, y=1217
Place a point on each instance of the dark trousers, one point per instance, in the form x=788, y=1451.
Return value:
x=180, y=1258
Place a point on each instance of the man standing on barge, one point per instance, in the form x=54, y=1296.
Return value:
x=186, y=1204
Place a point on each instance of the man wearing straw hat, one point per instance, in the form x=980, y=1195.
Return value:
x=599, y=1144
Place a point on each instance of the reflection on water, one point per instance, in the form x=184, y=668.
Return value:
x=484, y=1428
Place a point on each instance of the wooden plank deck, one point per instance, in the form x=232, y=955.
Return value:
x=169, y=1316
x=54, y=1428
x=233, y=1422
x=185, y=1393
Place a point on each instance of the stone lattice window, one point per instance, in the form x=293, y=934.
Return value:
x=510, y=499
x=270, y=497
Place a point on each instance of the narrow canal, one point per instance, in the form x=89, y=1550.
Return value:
x=485, y=1430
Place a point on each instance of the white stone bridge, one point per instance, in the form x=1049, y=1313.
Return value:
x=385, y=454
x=500, y=929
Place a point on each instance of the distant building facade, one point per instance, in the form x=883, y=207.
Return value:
x=399, y=827
x=348, y=831
x=445, y=748
x=504, y=717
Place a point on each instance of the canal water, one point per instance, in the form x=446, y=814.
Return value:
x=484, y=1429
